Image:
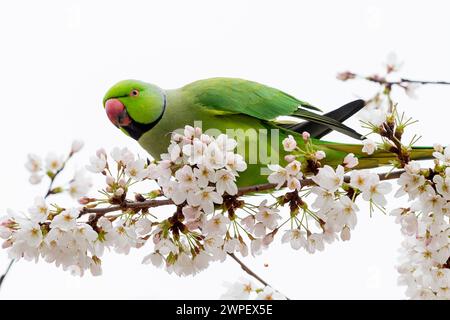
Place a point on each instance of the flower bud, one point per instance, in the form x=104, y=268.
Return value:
x=306, y=136
x=76, y=146
x=345, y=233
x=438, y=148
x=119, y=192
x=289, y=158
x=122, y=182
x=319, y=155
x=110, y=180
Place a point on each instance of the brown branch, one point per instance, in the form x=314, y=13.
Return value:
x=383, y=81
x=248, y=270
x=242, y=191
x=2, y=278
x=128, y=205
x=404, y=80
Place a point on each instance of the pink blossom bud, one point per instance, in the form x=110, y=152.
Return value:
x=7, y=244
x=84, y=200
x=110, y=180
x=197, y=131
x=77, y=145
x=119, y=192
x=268, y=238
x=122, y=182
x=101, y=153
x=306, y=135
x=345, y=233
x=350, y=161
x=177, y=137
x=289, y=158
x=319, y=155
x=346, y=75
x=109, y=189
x=289, y=143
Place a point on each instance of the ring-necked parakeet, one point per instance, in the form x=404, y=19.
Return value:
x=150, y=114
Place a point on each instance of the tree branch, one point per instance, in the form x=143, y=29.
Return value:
x=250, y=271
x=401, y=82
x=242, y=191
x=6, y=272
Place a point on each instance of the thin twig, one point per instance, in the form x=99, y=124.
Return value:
x=401, y=82
x=424, y=82
x=250, y=271
x=6, y=272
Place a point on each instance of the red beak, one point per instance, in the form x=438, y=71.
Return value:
x=117, y=113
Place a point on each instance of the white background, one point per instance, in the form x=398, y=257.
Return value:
x=57, y=59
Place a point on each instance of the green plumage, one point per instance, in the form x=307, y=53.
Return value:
x=227, y=103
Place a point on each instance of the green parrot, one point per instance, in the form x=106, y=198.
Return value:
x=150, y=114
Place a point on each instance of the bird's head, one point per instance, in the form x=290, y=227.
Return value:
x=134, y=106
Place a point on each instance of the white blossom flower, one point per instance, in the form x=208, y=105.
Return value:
x=206, y=198
x=360, y=179
x=217, y=225
x=279, y=176
x=77, y=145
x=442, y=186
x=98, y=162
x=350, y=161
x=240, y=290
x=53, y=162
x=135, y=169
x=29, y=233
x=34, y=163
x=289, y=143
x=348, y=209
x=293, y=169
x=204, y=176
x=314, y=242
x=174, y=152
x=369, y=146
x=143, y=226
x=66, y=220
x=154, y=258
x=329, y=179
x=324, y=200
x=195, y=151
x=39, y=211
x=235, y=163
x=225, y=182
x=268, y=216
x=225, y=143
x=444, y=157
x=80, y=185
x=35, y=178
x=122, y=156
x=295, y=237
x=376, y=191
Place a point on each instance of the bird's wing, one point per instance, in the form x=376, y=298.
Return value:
x=234, y=96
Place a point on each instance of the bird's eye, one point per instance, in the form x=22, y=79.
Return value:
x=134, y=93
